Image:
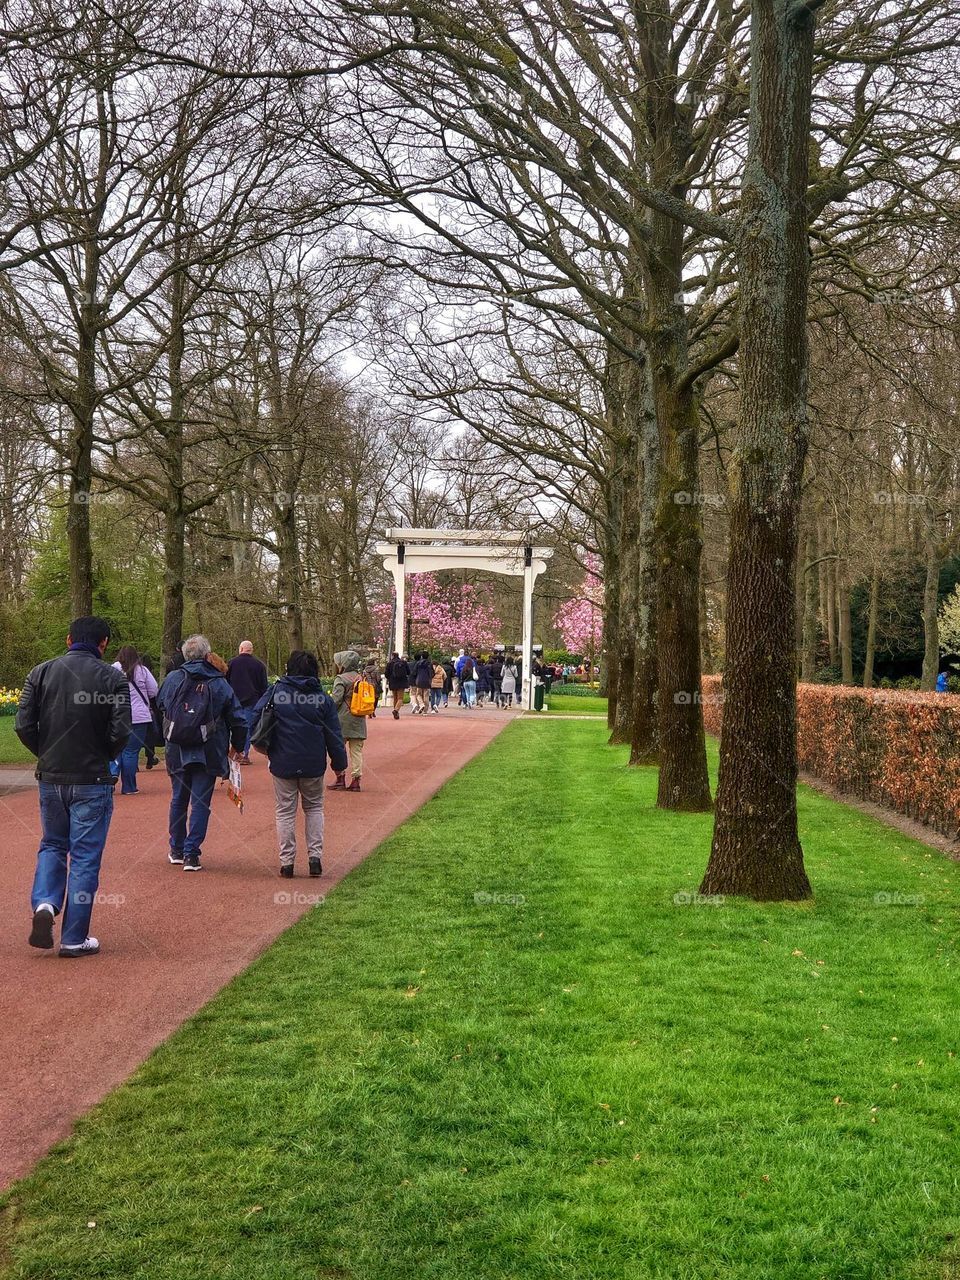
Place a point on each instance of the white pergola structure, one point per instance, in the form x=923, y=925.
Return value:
x=426, y=550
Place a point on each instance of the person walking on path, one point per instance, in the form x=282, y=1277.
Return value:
x=154, y=734
x=438, y=680
x=496, y=677
x=422, y=679
x=306, y=730
x=448, y=682
x=143, y=689
x=398, y=681
x=248, y=679
x=468, y=680
x=203, y=720
x=354, y=728
x=372, y=672
x=508, y=683
x=74, y=716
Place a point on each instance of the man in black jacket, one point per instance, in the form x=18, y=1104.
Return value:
x=247, y=677
x=74, y=715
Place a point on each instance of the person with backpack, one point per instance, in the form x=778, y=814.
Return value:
x=305, y=731
x=143, y=689
x=398, y=681
x=74, y=716
x=372, y=672
x=353, y=716
x=422, y=679
x=468, y=680
x=202, y=722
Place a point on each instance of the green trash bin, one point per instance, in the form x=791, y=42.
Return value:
x=538, y=693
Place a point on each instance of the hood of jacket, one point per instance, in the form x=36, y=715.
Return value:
x=305, y=684
x=201, y=667
x=348, y=659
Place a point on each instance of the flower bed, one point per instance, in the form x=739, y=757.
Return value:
x=901, y=750
x=9, y=698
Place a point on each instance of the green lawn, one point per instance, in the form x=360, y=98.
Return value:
x=12, y=750
x=570, y=704
x=510, y=1045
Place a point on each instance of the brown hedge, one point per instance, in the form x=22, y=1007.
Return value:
x=901, y=750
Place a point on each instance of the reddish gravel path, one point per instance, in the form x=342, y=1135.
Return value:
x=70, y=1030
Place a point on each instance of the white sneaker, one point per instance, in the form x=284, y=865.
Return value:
x=89, y=947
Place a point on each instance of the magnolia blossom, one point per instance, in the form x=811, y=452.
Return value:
x=447, y=617
x=580, y=619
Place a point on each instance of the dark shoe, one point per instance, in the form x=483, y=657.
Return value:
x=396, y=714
x=152, y=764
x=339, y=785
x=89, y=947
x=135, y=792
x=191, y=862
x=287, y=872
x=354, y=784
x=41, y=935
x=176, y=857
x=315, y=868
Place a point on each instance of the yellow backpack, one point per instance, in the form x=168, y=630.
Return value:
x=363, y=698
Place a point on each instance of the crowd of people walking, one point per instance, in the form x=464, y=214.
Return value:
x=492, y=680
x=87, y=722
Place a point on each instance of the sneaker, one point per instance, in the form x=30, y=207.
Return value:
x=287, y=872
x=41, y=935
x=176, y=857
x=315, y=868
x=396, y=714
x=89, y=947
x=191, y=862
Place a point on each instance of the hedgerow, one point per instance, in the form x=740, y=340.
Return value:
x=896, y=749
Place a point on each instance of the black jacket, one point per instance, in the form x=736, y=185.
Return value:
x=398, y=674
x=247, y=677
x=306, y=729
x=423, y=673
x=74, y=715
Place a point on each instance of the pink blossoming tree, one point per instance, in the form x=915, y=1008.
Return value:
x=580, y=619
x=444, y=617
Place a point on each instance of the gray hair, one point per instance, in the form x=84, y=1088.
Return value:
x=194, y=648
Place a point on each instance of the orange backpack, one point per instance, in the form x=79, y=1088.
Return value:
x=363, y=698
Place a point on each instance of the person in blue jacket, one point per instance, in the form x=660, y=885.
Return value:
x=194, y=769
x=942, y=682
x=306, y=730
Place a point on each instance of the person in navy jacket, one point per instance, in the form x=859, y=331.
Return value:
x=306, y=731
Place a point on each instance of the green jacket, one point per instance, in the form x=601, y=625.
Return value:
x=354, y=728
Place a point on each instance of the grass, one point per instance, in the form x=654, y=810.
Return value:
x=511, y=1045
x=573, y=704
x=12, y=750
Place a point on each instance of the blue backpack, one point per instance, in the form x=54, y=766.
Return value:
x=191, y=721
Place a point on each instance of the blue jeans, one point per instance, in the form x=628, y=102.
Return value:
x=470, y=691
x=193, y=786
x=75, y=821
x=251, y=717
x=436, y=697
x=130, y=758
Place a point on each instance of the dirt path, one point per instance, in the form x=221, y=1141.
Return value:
x=70, y=1030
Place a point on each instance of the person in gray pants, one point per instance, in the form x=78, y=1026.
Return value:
x=306, y=730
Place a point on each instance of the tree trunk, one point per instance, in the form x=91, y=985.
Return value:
x=643, y=738
x=931, y=628
x=845, y=628
x=756, y=848
x=627, y=614
x=612, y=573
x=871, y=628
x=809, y=661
